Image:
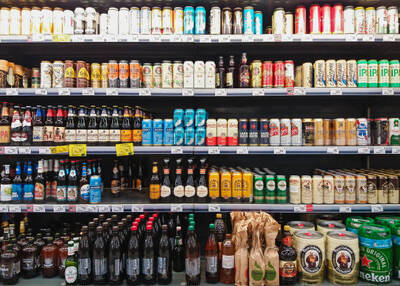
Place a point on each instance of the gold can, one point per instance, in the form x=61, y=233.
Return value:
x=247, y=186
x=328, y=132
x=213, y=184
x=226, y=185
x=339, y=132
x=330, y=73
x=318, y=132
x=319, y=73
x=351, y=131
x=307, y=75
x=298, y=76
x=341, y=73
x=256, y=74
x=308, y=131
x=361, y=189
x=350, y=189
x=95, y=76
x=237, y=190
x=104, y=75
x=338, y=183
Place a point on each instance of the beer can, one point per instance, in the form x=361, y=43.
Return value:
x=393, y=20
x=288, y=23
x=381, y=20
x=267, y=74
x=134, y=74
x=47, y=21
x=394, y=73
x=189, y=136
x=394, y=131
x=58, y=74
x=380, y=131
x=199, y=74
x=296, y=132
x=362, y=67
x=46, y=74
x=279, y=74
x=326, y=19
x=317, y=189
x=123, y=68
x=226, y=185
x=254, y=132
x=188, y=74
x=348, y=20
x=278, y=21
x=166, y=74
x=145, y=20
x=188, y=20
x=306, y=189
x=178, y=20
x=200, y=136
x=211, y=130
x=226, y=21
x=237, y=185
x=156, y=20
x=294, y=189
x=232, y=137
x=361, y=190
x=318, y=132
x=168, y=136
x=179, y=115
x=36, y=20
x=258, y=23
x=341, y=73
x=285, y=131
x=104, y=75
x=330, y=73
x=113, y=74
x=248, y=20
x=247, y=186
x=270, y=189
x=103, y=27
x=123, y=20
x=215, y=20
x=167, y=21
x=264, y=131
x=359, y=18
x=179, y=136
x=243, y=132
x=372, y=73
x=134, y=21
x=307, y=75
x=339, y=130
x=308, y=131
x=58, y=17
x=214, y=184
x=297, y=76
x=95, y=75
x=256, y=74
x=147, y=132
x=300, y=26
x=113, y=22
x=362, y=132
x=26, y=26
x=5, y=21
x=383, y=73
x=237, y=21
x=352, y=72
x=329, y=194
x=337, y=19
x=36, y=78
x=200, y=20
x=177, y=74
x=370, y=20
x=274, y=132
x=222, y=130
x=328, y=132
x=259, y=188
x=315, y=19
x=289, y=73
x=210, y=74
x=351, y=131
x=189, y=118
x=200, y=117
x=158, y=132
x=319, y=73
x=281, y=189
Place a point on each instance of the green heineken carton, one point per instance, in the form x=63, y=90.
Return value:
x=353, y=223
x=395, y=228
x=387, y=220
x=375, y=253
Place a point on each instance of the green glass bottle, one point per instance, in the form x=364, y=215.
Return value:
x=71, y=265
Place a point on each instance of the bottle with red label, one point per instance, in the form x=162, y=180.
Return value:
x=48, y=133
x=39, y=194
x=16, y=126
x=26, y=132
x=287, y=259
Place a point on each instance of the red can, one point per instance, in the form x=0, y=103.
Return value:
x=267, y=74
x=289, y=73
x=337, y=17
x=315, y=19
x=300, y=26
x=326, y=19
x=279, y=74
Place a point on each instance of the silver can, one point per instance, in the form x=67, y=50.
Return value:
x=58, y=74
x=46, y=71
x=295, y=189
x=113, y=21
x=351, y=71
x=362, y=132
x=36, y=19
x=359, y=20
x=215, y=20
x=381, y=20
x=15, y=21
x=68, y=24
x=330, y=73
x=167, y=21
x=370, y=17
x=296, y=132
x=47, y=20
x=134, y=21
x=288, y=23
x=199, y=74
x=103, y=30
x=278, y=21
x=123, y=20
x=319, y=73
x=348, y=20
x=145, y=21
x=274, y=132
x=166, y=74
x=188, y=74
x=25, y=21
x=210, y=74
x=157, y=75
x=341, y=73
x=79, y=18
x=177, y=74
x=393, y=20
x=58, y=19
x=90, y=21
x=285, y=131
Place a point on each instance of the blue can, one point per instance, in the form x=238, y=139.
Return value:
x=147, y=132
x=95, y=185
x=188, y=20
x=200, y=117
x=200, y=20
x=179, y=136
x=264, y=131
x=258, y=23
x=248, y=20
x=178, y=118
x=200, y=136
x=189, y=136
x=189, y=118
x=158, y=132
x=168, y=132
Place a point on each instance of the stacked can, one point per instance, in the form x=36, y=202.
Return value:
x=189, y=127
x=382, y=73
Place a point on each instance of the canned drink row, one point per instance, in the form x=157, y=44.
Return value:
x=21, y=76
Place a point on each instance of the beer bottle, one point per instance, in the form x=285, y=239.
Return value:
x=5, y=125
x=179, y=190
x=164, y=261
x=70, y=126
x=16, y=126
x=220, y=79
x=6, y=185
x=47, y=180
x=59, y=126
x=84, y=258
x=139, y=178
x=53, y=178
x=244, y=72
x=99, y=258
x=26, y=133
x=202, y=189
x=48, y=132
x=93, y=132
x=115, y=180
x=126, y=129
x=155, y=187
x=190, y=190
x=81, y=126
x=212, y=275
x=166, y=183
x=71, y=265
x=104, y=131
x=230, y=74
x=227, y=273
x=115, y=131
x=131, y=176
x=122, y=177
x=61, y=195
x=137, y=127
x=72, y=189
x=287, y=258
x=28, y=184
x=8, y=266
x=16, y=194
x=114, y=258
x=84, y=185
x=39, y=193
x=148, y=261
x=133, y=259
x=192, y=258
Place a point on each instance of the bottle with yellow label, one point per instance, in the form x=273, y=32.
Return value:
x=155, y=184
x=213, y=185
x=226, y=185
x=237, y=186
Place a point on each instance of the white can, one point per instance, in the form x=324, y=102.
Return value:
x=90, y=21
x=359, y=20
x=47, y=20
x=394, y=130
x=113, y=21
x=188, y=74
x=199, y=74
x=285, y=131
x=306, y=190
x=134, y=21
x=288, y=23
x=103, y=24
x=222, y=131
x=15, y=21
x=370, y=20
x=166, y=74
x=278, y=21
x=26, y=21
x=348, y=20
x=167, y=21
x=215, y=20
x=46, y=74
x=156, y=21
x=79, y=17
x=211, y=131
x=329, y=195
x=232, y=132
x=123, y=21
x=294, y=189
x=393, y=20
x=177, y=74
x=58, y=20
x=296, y=132
x=330, y=73
x=381, y=20
x=4, y=21
x=68, y=23
x=145, y=21
x=274, y=132
x=362, y=132
x=36, y=20
x=317, y=189
x=210, y=74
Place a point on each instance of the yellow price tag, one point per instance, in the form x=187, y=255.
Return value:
x=59, y=149
x=77, y=150
x=125, y=149
x=61, y=38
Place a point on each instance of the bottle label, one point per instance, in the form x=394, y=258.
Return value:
x=28, y=192
x=162, y=265
x=165, y=191
x=288, y=268
x=115, y=187
x=148, y=266
x=39, y=191
x=48, y=262
x=100, y=266
x=7, y=270
x=192, y=266
x=59, y=134
x=92, y=135
x=212, y=264
x=5, y=192
x=104, y=135
x=229, y=79
x=81, y=135
x=84, y=266
x=154, y=191
x=115, y=135
x=117, y=267
x=179, y=191
x=190, y=191
x=137, y=135
x=85, y=192
x=70, y=135
x=72, y=193
x=126, y=135
x=28, y=264
x=5, y=134
x=228, y=261
x=48, y=133
x=17, y=268
x=132, y=266
x=37, y=134
x=61, y=193
x=71, y=273
x=202, y=191
x=16, y=194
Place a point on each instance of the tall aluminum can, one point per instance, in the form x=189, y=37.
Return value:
x=123, y=20
x=166, y=74
x=285, y=131
x=226, y=20
x=348, y=20
x=26, y=26
x=258, y=22
x=351, y=71
x=46, y=72
x=393, y=20
x=58, y=74
x=330, y=73
x=315, y=19
x=278, y=21
x=200, y=21
x=188, y=20
x=318, y=132
x=319, y=74
x=113, y=21
x=199, y=74
x=210, y=74
x=326, y=20
x=145, y=21
x=188, y=74
x=341, y=73
x=156, y=21
x=300, y=20
x=58, y=17
x=215, y=20
x=381, y=20
x=167, y=21
x=296, y=132
x=288, y=23
x=274, y=132
x=103, y=29
x=232, y=137
x=337, y=19
x=248, y=20
x=177, y=74
x=178, y=20
x=134, y=21
x=307, y=75
x=351, y=131
x=370, y=20
x=362, y=132
x=157, y=75
x=359, y=19
x=237, y=21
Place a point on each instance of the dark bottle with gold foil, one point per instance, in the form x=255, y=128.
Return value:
x=115, y=180
x=230, y=73
x=155, y=184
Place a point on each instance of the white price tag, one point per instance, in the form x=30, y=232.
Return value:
x=287, y=38
x=351, y=38
x=336, y=91
x=177, y=208
x=58, y=208
x=242, y=150
x=11, y=91
x=249, y=38
x=144, y=92
x=279, y=150
x=224, y=39
x=299, y=91
x=176, y=38
x=368, y=38
x=257, y=92
x=81, y=209
x=379, y=150
x=44, y=150
x=134, y=38
x=64, y=91
x=117, y=208
x=137, y=209
x=77, y=38
x=10, y=150
x=189, y=39
x=38, y=38
x=220, y=92
x=387, y=91
x=41, y=91
x=87, y=91
x=299, y=209
x=111, y=38
x=307, y=38
x=277, y=38
x=395, y=150
x=214, y=208
x=24, y=150
x=268, y=38
x=187, y=92
x=39, y=209
x=123, y=38
x=3, y=208
x=176, y=150
x=389, y=38
x=104, y=209
x=376, y=208
x=155, y=38
x=213, y=151
x=345, y=209
x=92, y=209
x=111, y=91
x=205, y=39
x=332, y=150
x=14, y=209
x=363, y=150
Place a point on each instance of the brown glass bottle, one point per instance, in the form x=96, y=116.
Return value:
x=192, y=258
x=155, y=184
x=126, y=128
x=49, y=259
x=244, y=72
x=137, y=127
x=287, y=260
x=48, y=133
x=29, y=257
x=220, y=77
x=115, y=258
x=115, y=180
x=5, y=125
x=84, y=258
x=227, y=273
x=231, y=74
x=212, y=275
x=99, y=258
x=62, y=256
x=7, y=266
x=59, y=126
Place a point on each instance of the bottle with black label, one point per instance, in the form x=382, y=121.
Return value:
x=99, y=258
x=72, y=189
x=190, y=190
x=93, y=132
x=70, y=126
x=133, y=259
x=287, y=259
x=84, y=258
x=164, y=260
x=148, y=263
x=115, y=130
x=166, y=183
x=16, y=126
x=230, y=74
x=115, y=258
x=202, y=189
x=104, y=131
x=81, y=126
x=220, y=76
x=59, y=126
x=115, y=180
x=179, y=190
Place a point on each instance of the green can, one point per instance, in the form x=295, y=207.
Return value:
x=395, y=228
x=387, y=220
x=394, y=73
x=375, y=253
x=362, y=73
x=270, y=193
x=383, y=73
x=353, y=223
x=281, y=194
x=258, y=188
x=372, y=73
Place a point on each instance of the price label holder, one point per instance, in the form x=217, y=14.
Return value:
x=345, y=209
x=224, y=39
x=251, y=38
x=332, y=150
x=277, y=38
x=29, y=208
x=214, y=208
x=144, y=92
x=61, y=38
x=40, y=91
x=205, y=39
x=336, y=91
x=12, y=91
x=58, y=208
x=11, y=150
x=368, y=38
x=257, y=92
x=39, y=209
x=59, y=149
x=64, y=91
x=268, y=38
x=112, y=91
x=307, y=38
x=111, y=38
x=379, y=150
x=3, y=208
x=176, y=150
x=376, y=208
x=363, y=150
x=279, y=150
x=189, y=39
x=176, y=208
x=242, y=150
x=395, y=150
x=87, y=91
x=176, y=38
x=137, y=208
x=72, y=208
x=299, y=209
x=104, y=209
x=187, y=92
x=92, y=209
x=78, y=38
x=38, y=38
x=290, y=91
x=124, y=149
x=214, y=151
x=44, y=150
x=389, y=38
x=387, y=91
x=117, y=208
x=24, y=150
x=81, y=208
x=77, y=150
x=220, y=92
x=351, y=38
x=14, y=209
x=299, y=91
x=123, y=38
x=287, y=38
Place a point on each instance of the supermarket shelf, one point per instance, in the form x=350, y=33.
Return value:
x=203, y=92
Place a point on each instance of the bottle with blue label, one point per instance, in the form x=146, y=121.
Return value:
x=179, y=136
x=61, y=195
x=28, y=187
x=84, y=185
x=17, y=191
x=189, y=136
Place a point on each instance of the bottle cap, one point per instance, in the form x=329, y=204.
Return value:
x=149, y=227
x=134, y=228
x=212, y=226
x=191, y=227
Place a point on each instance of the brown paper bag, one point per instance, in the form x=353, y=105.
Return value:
x=256, y=259
x=271, y=255
x=241, y=255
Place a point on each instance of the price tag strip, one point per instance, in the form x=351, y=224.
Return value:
x=242, y=150
x=39, y=209
x=137, y=208
x=376, y=208
x=177, y=208
x=124, y=149
x=117, y=208
x=279, y=150
x=345, y=209
x=176, y=150
x=214, y=150
x=104, y=209
x=77, y=150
